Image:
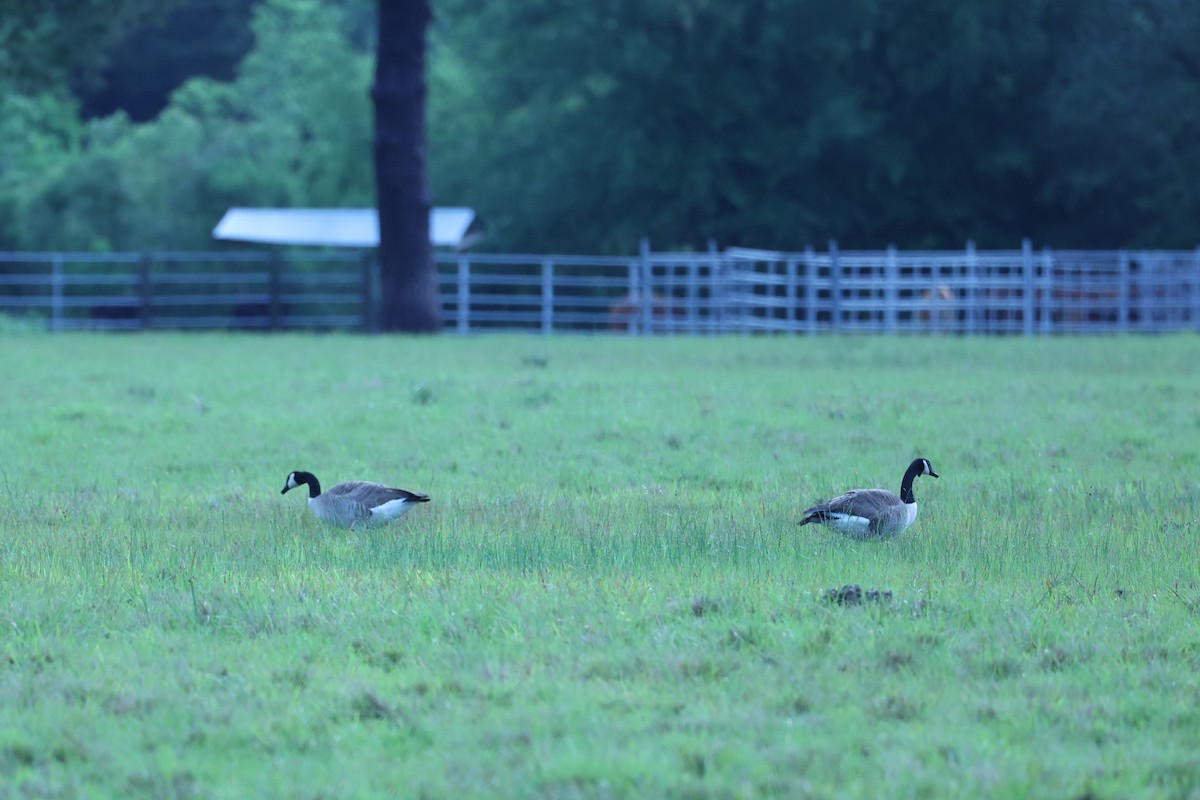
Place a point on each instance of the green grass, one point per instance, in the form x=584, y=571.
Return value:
x=609, y=595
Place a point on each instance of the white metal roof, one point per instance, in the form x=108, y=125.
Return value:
x=336, y=227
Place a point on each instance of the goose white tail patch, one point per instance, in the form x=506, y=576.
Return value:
x=392, y=509
x=849, y=524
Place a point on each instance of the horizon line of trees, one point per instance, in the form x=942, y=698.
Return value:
x=583, y=128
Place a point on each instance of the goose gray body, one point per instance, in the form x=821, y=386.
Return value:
x=867, y=513
x=354, y=503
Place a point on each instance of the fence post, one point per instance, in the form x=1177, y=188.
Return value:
x=1028, y=286
x=669, y=283
x=1196, y=289
x=635, y=283
x=463, y=287
x=972, y=288
x=1047, y=288
x=791, y=283
x=547, y=296
x=368, y=295
x=1123, y=291
x=835, y=285
x=645, y=300
x=145, y=289
x=810, y=290
x=693, y=296
x=56, y=293
x=716, y=289
x=275, y=290
x=890, y=292
x=1145, y=281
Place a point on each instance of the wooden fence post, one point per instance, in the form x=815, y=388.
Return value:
x=1196, y=289
x=1028, y=286
x=145, y=289
x=368, y=293
x=1047, y=288
x=463, y=293
x=810, y=290
x=835, y=286
x=646, y=300
x=547, y=296
x=1147, y=281
x=635, y=273
x=890, y=291
x=716, y=288
x=791, y=282
x=275, y=291
x=1123, y=291
x=693, y=296
x=56, y=293
x=669, y=281
x=972, y=289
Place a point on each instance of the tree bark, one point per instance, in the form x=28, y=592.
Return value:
x=408, y=276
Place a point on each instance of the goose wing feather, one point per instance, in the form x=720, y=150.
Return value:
x=367, y=495
x=867, y=503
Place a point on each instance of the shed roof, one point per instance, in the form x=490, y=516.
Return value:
x=338, y=227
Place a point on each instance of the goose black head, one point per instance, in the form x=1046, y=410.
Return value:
x=926, y=468
x=296, y=478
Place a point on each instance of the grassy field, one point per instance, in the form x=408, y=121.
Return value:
x=608, y=595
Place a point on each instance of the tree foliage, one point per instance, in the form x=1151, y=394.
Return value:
x=785, y=122
x=583, y=127
x=1124, y=126
x=292, y=129
x=45, y=44
x=199, y=38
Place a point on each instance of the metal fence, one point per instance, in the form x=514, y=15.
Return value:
x=731, y=291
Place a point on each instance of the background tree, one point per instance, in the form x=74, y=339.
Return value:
x=45, y=45
x=293, y=128
x=408, y=277
x=1124, y=127
x=769, y=122
x=779, y=123
x=581, y=128
x=197, y=38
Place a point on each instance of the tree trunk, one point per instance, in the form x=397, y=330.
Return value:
x=407, y=272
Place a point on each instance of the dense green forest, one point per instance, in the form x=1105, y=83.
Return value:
x=581, y=127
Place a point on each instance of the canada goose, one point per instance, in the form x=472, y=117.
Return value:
x=352, y=503
x=863, y=513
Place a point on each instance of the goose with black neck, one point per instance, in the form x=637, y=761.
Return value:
x=354, y=503
x=870, y=513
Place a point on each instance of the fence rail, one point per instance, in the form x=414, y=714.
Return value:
x=1023, y=292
